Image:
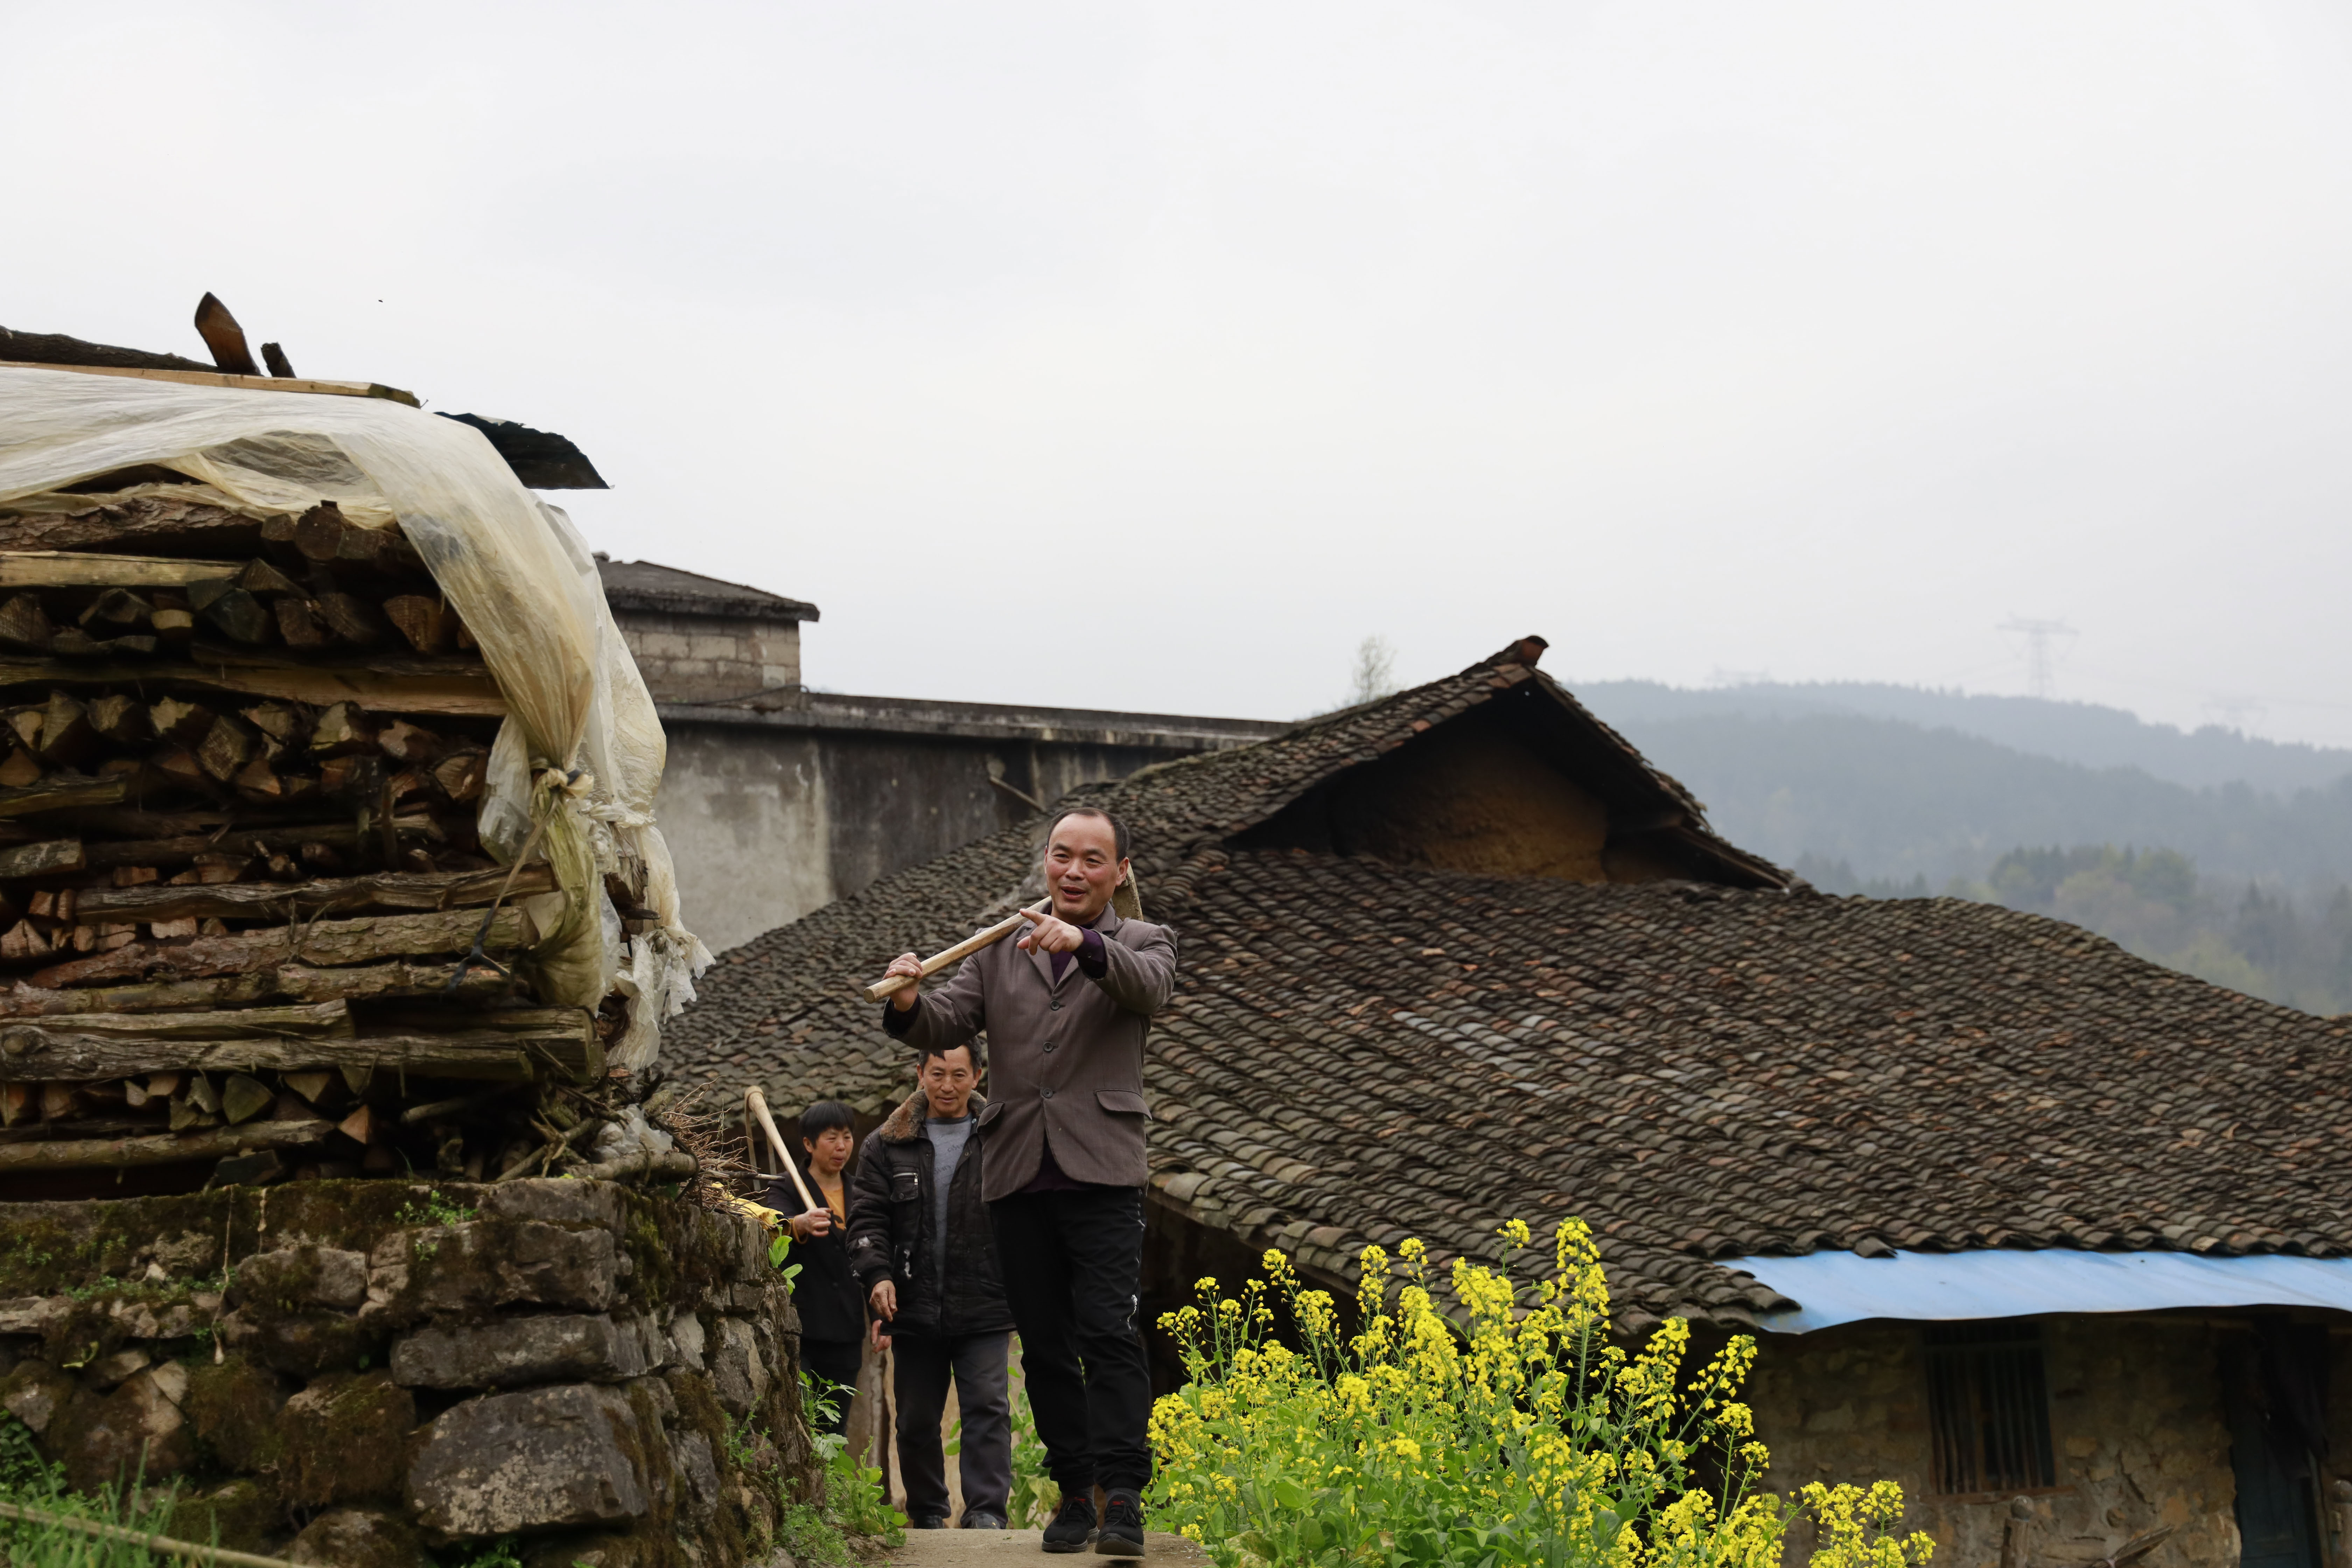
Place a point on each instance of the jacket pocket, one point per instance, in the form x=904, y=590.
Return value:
x=905, y=1187
x=1122, y=1103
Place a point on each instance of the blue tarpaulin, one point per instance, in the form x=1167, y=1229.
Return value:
x=1834, y=1287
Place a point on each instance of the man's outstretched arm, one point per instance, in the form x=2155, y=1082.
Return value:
x=944, y=1018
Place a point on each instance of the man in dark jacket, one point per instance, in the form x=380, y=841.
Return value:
x=919, y=1240
x=1068, y=1010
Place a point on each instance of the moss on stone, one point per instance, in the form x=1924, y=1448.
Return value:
x=240, y=1514
x=234, y=1408
x=346, y=1439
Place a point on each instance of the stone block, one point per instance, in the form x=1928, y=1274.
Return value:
x=108, y=1371
x=686, y=1341
x=544, y=1459
x=33, y=1393
x=296, y=1277
x=234, y=1408
x=359, y=1538
x=301, y=1344
x=511, y=1351
x=131, y=1432
x=345, y=1436
x=738, y=1376
x=597, y=1205
x=697, y=1473
x=33, y=1314
x=464, y=1270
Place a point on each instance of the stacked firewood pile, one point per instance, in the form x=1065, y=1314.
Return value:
x=246, y=926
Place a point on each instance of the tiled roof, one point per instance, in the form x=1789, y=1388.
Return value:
x=650, y=585
x=1360, y=1051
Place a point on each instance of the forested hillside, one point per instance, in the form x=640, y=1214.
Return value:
x=2241, y=879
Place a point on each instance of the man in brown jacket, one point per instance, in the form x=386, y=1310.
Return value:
x=1067, y=1008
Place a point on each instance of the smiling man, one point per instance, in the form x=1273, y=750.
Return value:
x=1067, y=1008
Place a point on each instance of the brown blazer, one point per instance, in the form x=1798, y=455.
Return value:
x=1064, y=1062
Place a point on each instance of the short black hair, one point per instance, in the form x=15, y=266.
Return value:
x=927, y=1052
x=822, y=1117
x=1118, y=828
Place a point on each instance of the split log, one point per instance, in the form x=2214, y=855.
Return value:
x=173, y=624
x=342, y=730
x=275, y=358
x=66, y=733
x=119, y=608
x=423, y=620
x=224, y=337
x=406, y=744
x=57, y=793
x=299, y=624
x=120, y=718
x=326, y=944
x=462, y=774
x=72, y=642
x=64, y=569
x=24, y=625
x=351, y=619
x=287, y=723
x=163, y=1149
x=20, y=770
x=261, y=579
x=389, y=890
x=41, y=860
x=185, y=723
x=458, y=688
x=324, y=535
x=226, y=747
x=55, y=1056
x=237, y=613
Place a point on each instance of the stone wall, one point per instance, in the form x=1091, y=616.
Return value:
x=710, y=658
x=357, y=1372
x=2135, y=1422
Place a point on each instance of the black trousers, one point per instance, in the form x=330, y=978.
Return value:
x=1073, y=1265
x=984, y=1455
x=833, y=1360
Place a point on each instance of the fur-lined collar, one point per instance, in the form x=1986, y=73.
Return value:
x=907, y=1121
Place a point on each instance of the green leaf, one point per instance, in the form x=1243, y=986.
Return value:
x=1290, y=1494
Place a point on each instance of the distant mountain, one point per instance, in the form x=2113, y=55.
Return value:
x=1895, y=802
x=2081, y=732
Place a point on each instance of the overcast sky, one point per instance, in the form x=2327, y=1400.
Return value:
x=1151, y=356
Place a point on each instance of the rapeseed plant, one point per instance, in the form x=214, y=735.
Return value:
x=1523, y=1438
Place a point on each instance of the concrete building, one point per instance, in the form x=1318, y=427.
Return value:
x=778, y=800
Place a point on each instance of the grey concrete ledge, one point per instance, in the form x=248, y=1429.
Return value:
x=786, y=710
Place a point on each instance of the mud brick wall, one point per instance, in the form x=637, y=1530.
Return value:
x=2136, y=1425
x=358, y=1372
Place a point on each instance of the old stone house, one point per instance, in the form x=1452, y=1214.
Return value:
x=2054, y=1237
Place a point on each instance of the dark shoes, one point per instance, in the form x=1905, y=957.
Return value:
x=927, y=1522
x=1074, y=1526
x=981, y=1518
x=1122, y=1527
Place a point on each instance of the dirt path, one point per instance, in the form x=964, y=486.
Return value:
x=1021, y=1549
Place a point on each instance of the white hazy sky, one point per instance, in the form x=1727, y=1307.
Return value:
x=1151, y=356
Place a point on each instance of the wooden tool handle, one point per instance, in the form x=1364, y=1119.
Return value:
x=890, y=985
x=757, y=1104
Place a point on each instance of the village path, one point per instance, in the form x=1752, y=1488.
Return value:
x=1024, y=1549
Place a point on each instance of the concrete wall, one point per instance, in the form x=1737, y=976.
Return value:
x=709, y=658
x=770, y=814
x=2136, y=1423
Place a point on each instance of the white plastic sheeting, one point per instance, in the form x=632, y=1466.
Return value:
x=581, y=748
x=1832, y=1288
